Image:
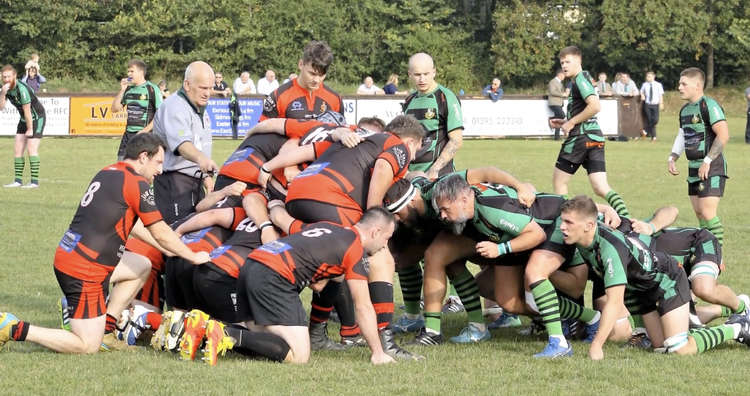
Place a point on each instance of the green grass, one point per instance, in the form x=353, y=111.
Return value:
x=31, y=223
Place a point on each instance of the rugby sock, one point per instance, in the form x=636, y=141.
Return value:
x=615, y=201
x=432, y=322
x=322, y=302
x=546, y=301
x=256, y=343
x=111, y=324
x=19, y=331
x=18, y=164
x=708, y=338
x=153, y=320
x=34, y=165
x=345, y=308
x=572, y=310
x=411, y=288
x=468, y=291
x=452, y=290
x=726, y=311
x=637, y=324
x=381, y=294
x=714, y=225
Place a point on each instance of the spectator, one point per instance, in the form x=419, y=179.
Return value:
x=652, y=94
x=368, y=87
x=603, y=88
x=625, y=87
x=221, y=88
x=185, y=128
x=556, y=94
x=140, y=98
x=267, y=84
x=33, y=79
x=291, y=77
x=33, y=62
x=391, y=86
x=243, y=85
x=164, y=90
x=493, y=91
x=747, y=127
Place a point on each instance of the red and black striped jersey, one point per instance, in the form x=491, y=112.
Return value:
x=116, y=197
x=231, y=255
x=290, y=100
x=341, y=176
x=301, y=259
x=244, y=164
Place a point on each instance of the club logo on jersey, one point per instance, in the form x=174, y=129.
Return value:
x=313, y=169
x=701, y=186
x=400, y=156
x=429, y=114
x=148, y=196
x=695, y=119
x=507, y=225
x=269, y=104
x=297, y=106
x=142, y=97
x=275, y=247
x=610, y=270
x=494, y=238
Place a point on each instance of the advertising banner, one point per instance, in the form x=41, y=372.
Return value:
x=92, y=115
x=57, y=111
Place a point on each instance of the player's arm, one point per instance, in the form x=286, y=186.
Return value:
x=255, y=208
x=148, y=128
x=271, y=125
x=491, y=174
x=223, y=217
x=188, y=151
x=455, y=140
x=281, y=218
x=3, y=91
x=168, y=239
x=592, y=108
x=366, y=319
x=117, y=102
x=29, y=120
x=678, y=147
x=381, y=180
x=609, y=214
x=295, y=156
x=213, y=197
x=721, y=129
x=571, y=281
x=615, y=300
x=663, y=218
x=140, y=232
x=346, y=136
x=530, y=236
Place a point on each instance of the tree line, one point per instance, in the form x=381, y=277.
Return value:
x=471, y=40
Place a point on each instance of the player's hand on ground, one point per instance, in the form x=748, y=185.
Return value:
x=201, y=258
x=567, y=126
x=642, y=227
x=556, y=122
x=381, y=358
x=234, y=189
x=268, y=234
x=526, y=194
x=487, y=249
x=672, y=168
x=703, y=170
x=596, y=352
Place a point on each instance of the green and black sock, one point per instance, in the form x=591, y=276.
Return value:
x=468, y=291
x=34, y=165
x=615, y=201
x=432, y=322
x=716, y=227
x=572, y=310
x=546, y=301
x=708, y=338
x=411, y=288
x=18, y=164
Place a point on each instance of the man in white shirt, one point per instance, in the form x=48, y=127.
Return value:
x=652, y=94
x=368, y=87
x=243, y=85
x=625, y=87
x=267, y=84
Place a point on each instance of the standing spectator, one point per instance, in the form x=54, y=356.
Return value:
x=164, y=90
x=626, y=86
x=603, y=88
x=555, y=97
x=652, y=94
x=243, y=85
x=493, y=91
x=30, y=126
x=391, y=86
x=221, y=88
x=33, y=79
x=747, y=127
x=140, y=98
x=33, y=62
x=183, y=124
x=368, y=87
x=267, y=84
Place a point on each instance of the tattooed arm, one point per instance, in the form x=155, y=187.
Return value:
x=721, y=129
x=455, y=140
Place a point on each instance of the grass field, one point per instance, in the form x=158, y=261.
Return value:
x=31, y=223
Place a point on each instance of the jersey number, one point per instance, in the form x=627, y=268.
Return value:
x=89, y=196
x=247, y=225
x=315, y=232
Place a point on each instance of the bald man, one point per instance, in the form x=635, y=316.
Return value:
x=182, y=123
x=439, y=111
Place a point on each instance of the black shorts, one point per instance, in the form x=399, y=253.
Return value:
x=669, y=293
x=86, y=299
x=706, y=249
x=711, y=187
x=581, y=150
x=309, y=211
x=216, y=294
x=271, y=299
x=123, y=144
x=178, y=278
x=405, y=237
x=177, y=194
x=37, y=127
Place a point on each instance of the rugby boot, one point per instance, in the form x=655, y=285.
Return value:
x=453, y=305
x=159, y=339
x=217, y=342
x=554, y=350
x=405, y=325
x=7, y=320
x=62, y=306
x=110, y=343
x=353, y=341
x=744, y=322
x=638, y=340
x=175, y=329
x=319, y=338
x=425, y=338
x=471, y=334
x=195, y=329
x=505, y=320
x=391, y=348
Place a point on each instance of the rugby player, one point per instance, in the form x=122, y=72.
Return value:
x=90, y=255
x=651, y=281
x=703, y=134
